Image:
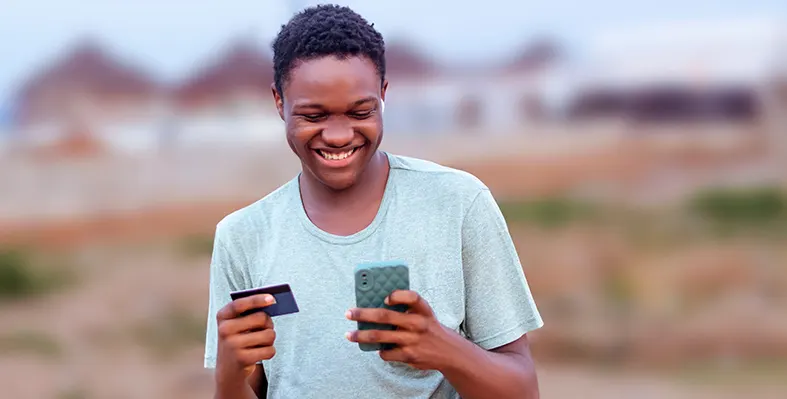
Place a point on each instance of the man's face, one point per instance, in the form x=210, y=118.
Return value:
x=332, y=113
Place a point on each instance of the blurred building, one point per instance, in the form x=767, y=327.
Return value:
x=6, y=115
x=426, y=97
x=697, y=70
x=229, y=99
x=408, y=104
x=5, y=125
x=88, y=95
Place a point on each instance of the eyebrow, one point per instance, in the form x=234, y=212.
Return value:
x=320, y=106
x=364, y=100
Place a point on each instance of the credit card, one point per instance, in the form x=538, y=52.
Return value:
x=285, y=300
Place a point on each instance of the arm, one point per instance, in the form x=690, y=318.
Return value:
x=422, y=342
x=258, y=382
x=255, y=386
x=230, y=338
x=494, y=360
x=499, y=311
x=243, y=342
x=504, y=372
x=236, y=386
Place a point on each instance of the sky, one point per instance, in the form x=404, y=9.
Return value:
x=172, y=37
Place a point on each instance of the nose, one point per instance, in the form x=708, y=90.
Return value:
x=338, y=134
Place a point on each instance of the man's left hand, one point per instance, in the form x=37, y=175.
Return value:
x=421, y=341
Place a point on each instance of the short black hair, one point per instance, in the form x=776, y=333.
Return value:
x=324, y=30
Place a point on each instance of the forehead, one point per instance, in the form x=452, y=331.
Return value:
x=330, y=78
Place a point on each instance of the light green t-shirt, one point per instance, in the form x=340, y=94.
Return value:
x=443, y=222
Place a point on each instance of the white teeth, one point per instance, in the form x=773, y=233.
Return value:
x=335, y=157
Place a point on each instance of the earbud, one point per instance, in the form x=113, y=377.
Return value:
x=382, y=106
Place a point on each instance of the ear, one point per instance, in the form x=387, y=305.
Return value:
x=383, y=90
x=278, y=100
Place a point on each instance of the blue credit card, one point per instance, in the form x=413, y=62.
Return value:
x=285, y=300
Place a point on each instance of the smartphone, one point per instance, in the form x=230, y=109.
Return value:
x=373, y=283
x=285, y=300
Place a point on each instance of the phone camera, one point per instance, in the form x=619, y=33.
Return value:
x=364, y=280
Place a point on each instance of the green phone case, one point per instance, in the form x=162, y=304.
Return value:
x=373, y=283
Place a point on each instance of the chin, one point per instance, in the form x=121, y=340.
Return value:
x=338, y=183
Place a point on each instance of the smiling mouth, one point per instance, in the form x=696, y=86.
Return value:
x=337, y=156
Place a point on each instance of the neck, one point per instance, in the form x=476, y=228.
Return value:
x=369, y=186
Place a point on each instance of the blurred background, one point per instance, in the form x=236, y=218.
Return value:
x=638, y=151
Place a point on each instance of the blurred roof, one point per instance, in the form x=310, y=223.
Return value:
x=535, y=56
x=243, y=66
x=88, y=67
x=403, y=59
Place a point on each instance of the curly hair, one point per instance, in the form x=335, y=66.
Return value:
x=321, y=31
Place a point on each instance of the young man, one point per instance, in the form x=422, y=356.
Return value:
x=470, y=306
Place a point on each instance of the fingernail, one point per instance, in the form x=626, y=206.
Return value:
x=349, y=314
x=270, y=299
x=348, y=335
x=387, y=301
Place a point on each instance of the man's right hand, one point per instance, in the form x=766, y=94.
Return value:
x=244, y=340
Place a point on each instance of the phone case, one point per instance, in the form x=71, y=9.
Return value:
x=373, y=283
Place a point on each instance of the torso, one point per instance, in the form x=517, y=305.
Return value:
x=418, y=222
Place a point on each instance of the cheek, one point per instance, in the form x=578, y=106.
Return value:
x=300, y=136
x=371, y=128
x=291, y=142
x=378, y=122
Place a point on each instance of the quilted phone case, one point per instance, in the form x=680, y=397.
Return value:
x=373, y=283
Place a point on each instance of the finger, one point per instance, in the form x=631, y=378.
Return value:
x=415, y=302
x=406, y=321
x=400, y=355
x=256, y=339
x=253, y=322
x=254, y=355
x=400, y=337
x=242, y=305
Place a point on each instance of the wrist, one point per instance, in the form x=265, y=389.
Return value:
x=230, y=376
x=459, y=354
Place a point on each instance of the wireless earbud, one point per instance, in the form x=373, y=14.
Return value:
x=382, y=106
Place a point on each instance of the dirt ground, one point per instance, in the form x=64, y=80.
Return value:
x=131, y=323
x=113, y=336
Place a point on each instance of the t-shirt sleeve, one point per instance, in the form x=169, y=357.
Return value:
x=499, y=307
x=224, y=279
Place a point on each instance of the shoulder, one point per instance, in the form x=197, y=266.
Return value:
x=433, y=179
x=250, y=221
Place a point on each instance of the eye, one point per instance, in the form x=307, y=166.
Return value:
x=314, y=117
x=362, y=114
